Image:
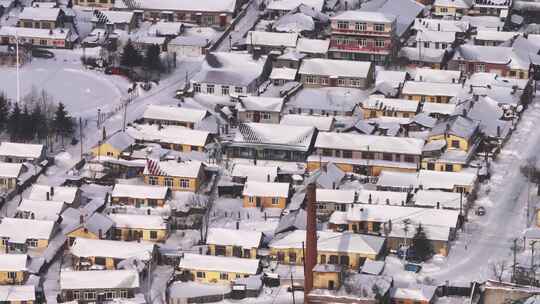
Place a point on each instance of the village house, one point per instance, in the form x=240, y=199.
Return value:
x=243, y=172
x=438, y=110
x=430, y=91
x=113, y=146
x=317, y=72
x=231, y=74
x=88, y=254
x=98, y=4
x=427, y=180
x=233, y=243
x=104, y=285
x=328, y=276
x=177, y=175
x=114, y=20
x=272, y=142
x=135, y=227
x=501, y=60
x=20, y=153
x=13, y=269
x=58, y=38
x=346, y=249
x=200, y=12
x=366, y=154
x=193, y=42
x=41, y=18
x=17, y=240
x=460, y=27
x=424, y=294
x=15, y=294
x=71, y=196
x=499, y=8
x=321, y=123
x=363, y=35
x=177, y=116
x=9, y=175
x=217, y=269
x=377, y=106
x=427, y=39
x=176, y=138
x=96, y=227
x=415, y=57
x=335, y=101
x=265, y=195
x=278, y=8
x=440, y=224
x=455, y=8
x=439, y=199
x=437, y=76
x=139, y=196
x=265, y=42
x=354, y=288
x=330, y=200
x=313, y=48
x=493, y=38
x=259, y=109
x=40, y=210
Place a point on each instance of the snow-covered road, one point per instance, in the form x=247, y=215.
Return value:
x=242, y=27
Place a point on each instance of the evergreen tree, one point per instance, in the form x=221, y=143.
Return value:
x=130, y=56
x=421, y=246
x=4, y=111
x=40, y=123
x=151, y=58
x=14, y=123
x=27, y=125
x=63, y=125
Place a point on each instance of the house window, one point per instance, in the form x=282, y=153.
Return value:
x=89, y=295
x=342, y=25
x=368, y=155
x=333, y=260
x=99, y=261
x=280, y=256
x=512, y=73
x=76, y=295
x=311, y=79
x=379, y=27
x=292, y=257
x=12, y=275
x=346, y=154
x=210, y=89
x=153, y=180
x=153, y=234
x=32, y=243
x=265, y=115
x=387, y=156
x=123, y=294
x=223, y=276
x=426, y=44
x=409, y=159
x=224, y=90
x=462, y=67
x=449, y=167
x=327, y=152
x=197, y=87
x=480, y=67
x=361, y=26
x=251, y=199
x=168, y=182
x=362, y=42
x=184, y=183
x=455, y=144
x=43, y=42
x=247, y=253
x=201, y=275
x=238, y=90
x=444, y=46
x=379, y=43
x=275, y=201
x=431, y=166
x=110, y=295
x=443, y=9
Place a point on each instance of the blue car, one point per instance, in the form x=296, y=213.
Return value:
x=413, y=267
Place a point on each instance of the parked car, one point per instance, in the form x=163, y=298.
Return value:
x=413, y=267
x=41, y=53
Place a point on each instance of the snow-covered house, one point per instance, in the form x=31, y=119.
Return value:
x=272, y=142
x=98, y=226
x=166, y=29
x=424, y=294
x=321, y=123
x=41, y=18
x=17, y=239
x=177, y=175
x=179, y=116
x=346, y=249
x=330, y=200
x=265, y=42
x=497, y=8
x=18, y=294
x=114, y=20
x=40, y=210
x=176, y=138
x=363, y=35
x=377, y=106
x=201, y=12
x=13, y=269
x=233, y=243
x=438, y=199
x=421, y=57
x=130, y=227
x=231, y=74
x=189, y=46
x=71, y=196
x=334, y=101
x=243, y=172
x=19, y=153
x=493, y=38
x=265, y=194
x=216, y=269
x=91, y=285
x=103, y=5
x=313, y=48
x=259, y=109
x=454, y=8
x=434, y=40
x=317, y=72
x=460, y=27
x=366, y=154
x=58, y=38
x=280, y=76
x=91, y=254
x=356, y=288
x=143, y=42
x=430, y=91
x=139, y=195
x=277, y=8
x=438, y=76
x=113, y=146
x=9, y=175
x=388, y=83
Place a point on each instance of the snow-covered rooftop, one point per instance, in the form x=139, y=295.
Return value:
x=259, y=103
x=435, y=36
x=424, y=293
x=13, y=262
x=169, y=134
x=173, y=168
x=288, y=5
x=29, y=151
x=457, y=26
x=293, y=137
x=357, y=142
x=220, y=264
x=140, y=191
x=120, y=140
x=433, y=75
x=14, y=229
x=377, y=102
x=335, y=68
x=39, y=14
x=313, y=46
x=487, y=35
x=114, y=17
x=61, y=194
x=138, y=221
x=225, y=6
x=431, y=198
x=179, y=114
x=322, y=123
x=283, y=73
x=99, y=279
x=365, y=16
x=231, y=237
x=83, y=247
x=335, y=196
x=272, y=39
x=10, y=170
x=265, y=189
x=255, y=173
x=431, y=88
x=230, y=69
x=42, y=210
x=27, y=32
x=17, y=293
x=439, y=108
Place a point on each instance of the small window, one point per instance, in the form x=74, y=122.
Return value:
x=201, y=275
x=449, y=167
x=12, y=275
x=346, y=154
x=225, y=90
x=379, y=27
x=153, y=234
x=388, y=157
x=455, y=144
x=409, y=159
x=292, y=257
x=184, y=183
x=153, y=180
x=379, y=43
x=360, y=26
x=342, y=25
x=168, y=182
x=196, y=88
x=431, y=166
x=275, y=201
x=123, y=294
x=210, y=89
x=238, y=90
x=224, y=276
x=368, y=155
x=327, y=152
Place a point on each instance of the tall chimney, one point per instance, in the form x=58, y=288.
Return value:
x=311, y=238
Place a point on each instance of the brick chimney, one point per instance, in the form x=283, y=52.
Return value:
x=311, y=238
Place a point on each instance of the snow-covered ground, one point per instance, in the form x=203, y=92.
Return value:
x=242, y=27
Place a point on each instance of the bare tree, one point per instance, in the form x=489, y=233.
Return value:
x=498, y=269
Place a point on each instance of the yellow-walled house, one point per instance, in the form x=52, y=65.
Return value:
x=172, y=137
x=347, y=249
x=327, y=276
x=377, y=106
x=265, y=194
x=97, y=226
x=233, y=243
x=139, y=195
x=18, y=239
x=114, y=145
x=438, y=92
x=90, y=254
x=454, y=8
x=177, y=175
x=13, y=269
x=176, y=116
x=215, y=269
x=9, y=175
x=424, y=294
x=95, y=3
x=132, y=227
x=18, y=294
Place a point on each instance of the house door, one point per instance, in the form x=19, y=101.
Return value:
x=258, y=202
x=256, y=116
x=330, y=285
x=222, y=20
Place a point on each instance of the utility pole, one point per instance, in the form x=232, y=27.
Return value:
x=292, y=288
x=81, y=135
